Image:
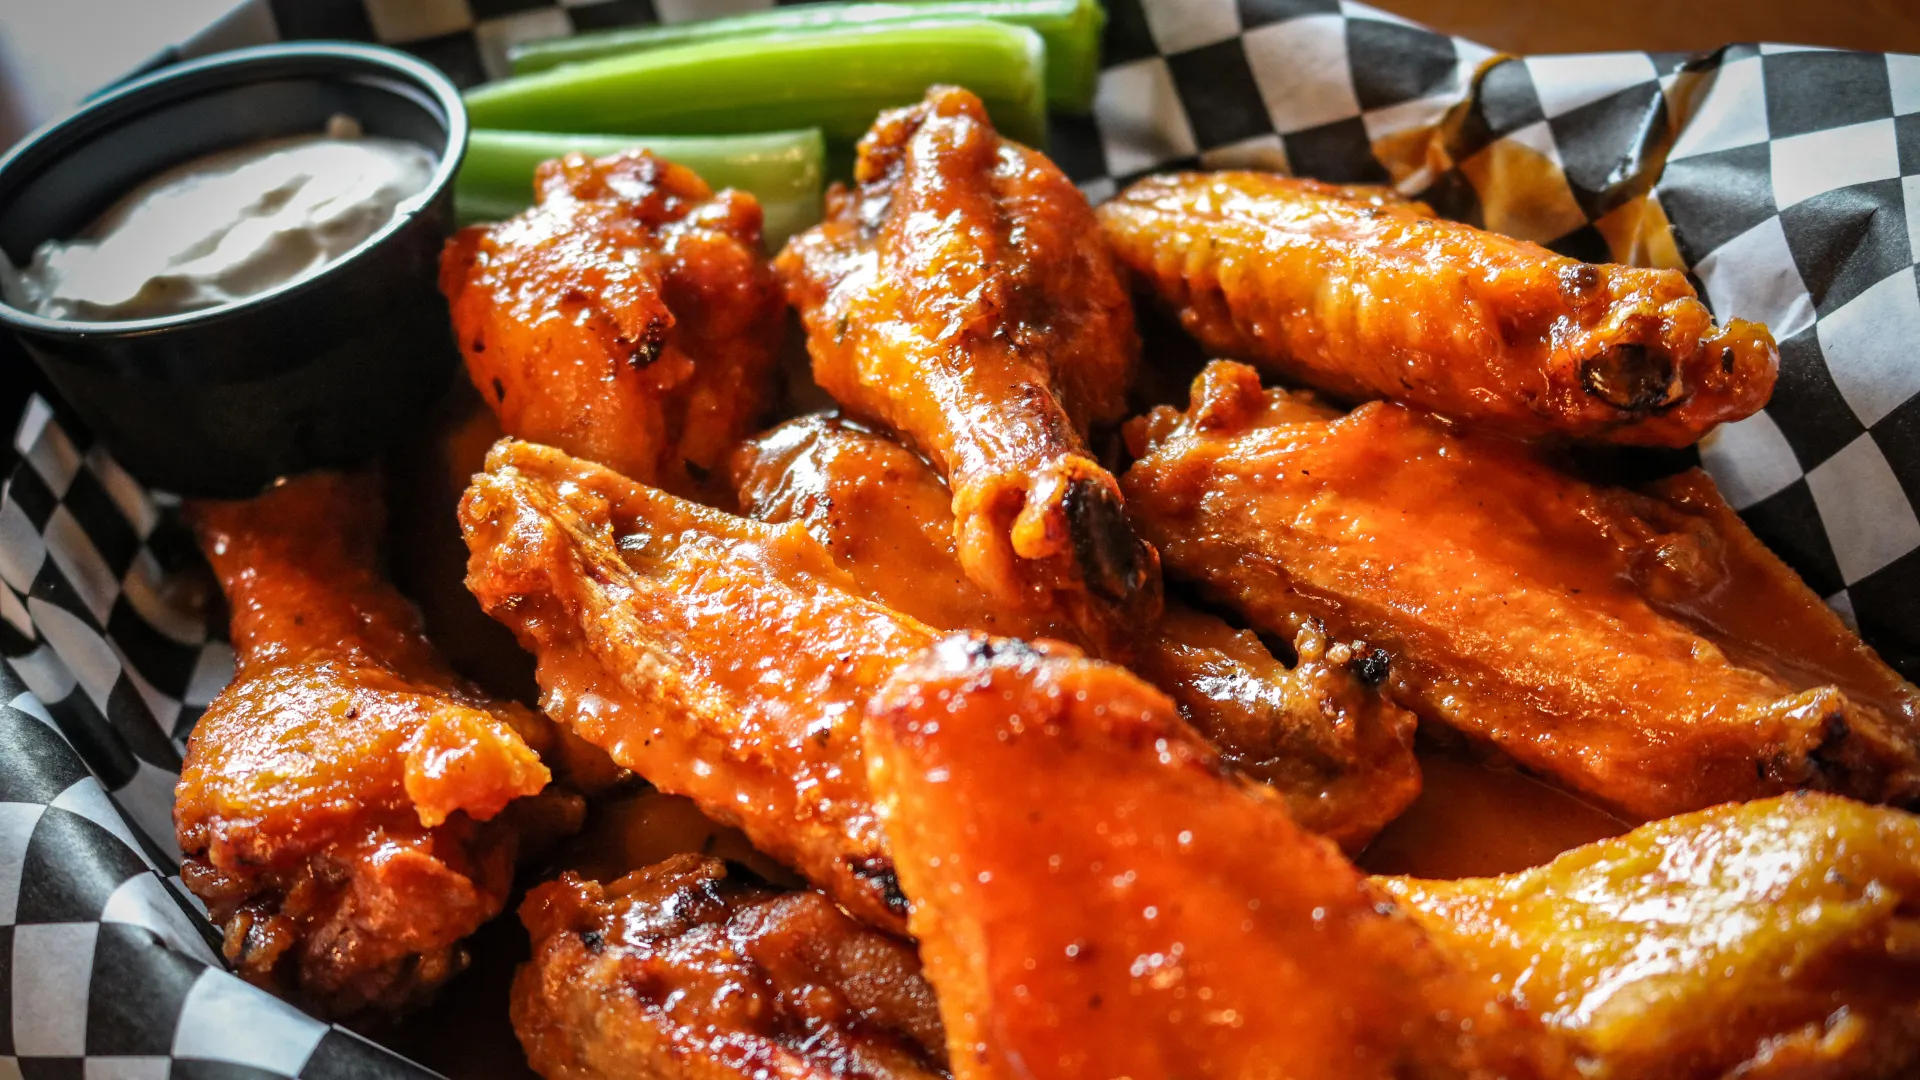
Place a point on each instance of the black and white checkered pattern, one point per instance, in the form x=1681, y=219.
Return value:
x=99, y=624
x=115, y=972
x=1795, y=198
x=1785, y=180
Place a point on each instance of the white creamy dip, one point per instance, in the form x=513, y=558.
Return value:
x=226, y=227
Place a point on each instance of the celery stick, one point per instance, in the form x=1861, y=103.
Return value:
x=1071, y=29
x=784, y=170
x=835, y=80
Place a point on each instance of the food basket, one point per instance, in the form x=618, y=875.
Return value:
x=1785, y=180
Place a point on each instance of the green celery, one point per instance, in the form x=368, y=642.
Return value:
x=836, y=80
x=1071, y=29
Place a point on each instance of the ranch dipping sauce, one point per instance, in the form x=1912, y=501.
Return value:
x=226, y=227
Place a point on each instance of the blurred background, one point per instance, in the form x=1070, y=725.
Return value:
x=53, y=52
x=1537, y=26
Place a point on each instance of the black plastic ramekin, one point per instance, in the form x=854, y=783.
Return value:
x=320, y=372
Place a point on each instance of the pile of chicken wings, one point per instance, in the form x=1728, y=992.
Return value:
x=1059, y=713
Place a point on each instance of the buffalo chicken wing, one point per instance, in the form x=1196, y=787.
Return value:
x=350, y=809
x=960, y=294
x=1095, y=896
x=629, y=317
x=1361, y=293
x=1641, y=649
x=719, y=658
x=692, y=970
x=1321, y=731
x=1762, y=940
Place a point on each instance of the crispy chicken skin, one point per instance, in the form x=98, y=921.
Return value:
x=961, y=295
x=1641, y=649
x=1340, y=752
x=348, y=805
x=1763, y=940
x=884, y=515
x=691, y=970
x=719, y=658
x=1364, y=294
x=1096, y=897
x=1322, y=732
x=629, y=317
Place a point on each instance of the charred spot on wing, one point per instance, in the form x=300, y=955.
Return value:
x=1371, y=668
x=653, y=340
x=975, y=660
x=1823, y=767
x=257, y=936
x=1110, y=557
x=1827, y=758
x=1629, y=376
x=1578, y=279
x=593, y=940
x=981, y=650
x=705, y=898
x=877, y=872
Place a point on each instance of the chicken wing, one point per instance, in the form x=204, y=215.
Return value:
x=1331, y=743
x=1321, y=732
x=1642, y=649
x=722, y=659
x=1096, y=897
x=884, y=515
x=1771, y=939
x=1361, y=293
x=350, y=809
x=629, y=317
x=689, y=970
x=961, y=295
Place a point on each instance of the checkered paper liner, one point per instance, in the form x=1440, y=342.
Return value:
x=1784, y=180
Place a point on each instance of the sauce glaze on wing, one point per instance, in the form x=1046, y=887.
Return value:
x=629, y=317
x=885, y=516
x=960, y=295
x=719, y=658
x=1763, y=940
x=692, y=970
x=1096, y=896
x=1641, y=649
x=1361, y=293
x=350, y=809
x=1318, y=731
x=1321, y=731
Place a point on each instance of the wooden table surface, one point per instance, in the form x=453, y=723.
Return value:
x=1544, y=26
